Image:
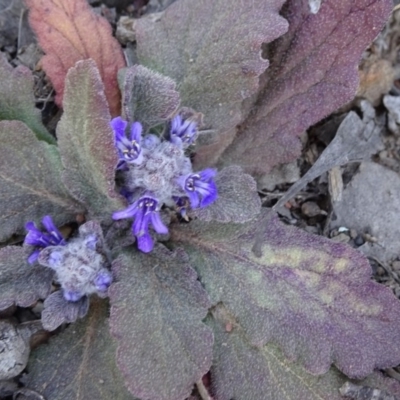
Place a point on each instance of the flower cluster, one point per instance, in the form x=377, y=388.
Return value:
x=80, y=264
x=40, y=240
x=152, y=173
x=155, y=172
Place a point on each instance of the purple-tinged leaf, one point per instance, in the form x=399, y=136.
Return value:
x=148, y=97
x=86, y=141
x=157, y=307
x=313, y=72
x=17, y=101
x=30, y=182
x=212, y=49
x=57, y=310
x=79, y=363
x=310, y=296
x=241, y=371
x=21, y=283
x=238, y=199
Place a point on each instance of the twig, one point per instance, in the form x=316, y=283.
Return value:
x=21, y=18
x=393, y=374
x=396, y=8
x=203, y=392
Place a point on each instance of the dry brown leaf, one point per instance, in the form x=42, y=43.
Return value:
x=69, y=31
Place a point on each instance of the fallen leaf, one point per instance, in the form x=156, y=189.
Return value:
x=69, y=31
x=356, y=140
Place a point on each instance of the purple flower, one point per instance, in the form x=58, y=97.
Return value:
x=200, y=187
x=40, y=239
x=103, y=281
x=129, y=149
x=145, y=210
x=71, y=295
x=183, y=132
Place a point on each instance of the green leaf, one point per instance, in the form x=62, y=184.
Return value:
x=310, y=296
x=86, y=142
x=244, y=372
x=78, y=363
x=57, y=310
x=17, y=101
x=30, y=182
x=21, y=283
x=213, y=51
x=316, y=59
x=238, y=199
x=157, y=307
x=148, y=97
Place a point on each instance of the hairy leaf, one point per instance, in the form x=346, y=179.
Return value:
x=313, y=72
x=21, y=283
x=243, y=372
x=17, y=101
x=213, y=51
x=148, y=97
x=238, y=200
x=58, y=311
x=30, y=184
x=69, y=31
x=78, y=363
x=157, y=306
x=310, y=296
x=86, y=141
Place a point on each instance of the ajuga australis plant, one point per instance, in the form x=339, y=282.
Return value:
x=175, y=270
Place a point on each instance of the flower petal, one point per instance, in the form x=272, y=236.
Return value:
x=145, y=243
x=136, y=132
x=129, y=212
x=158, y=225
x=119, y=126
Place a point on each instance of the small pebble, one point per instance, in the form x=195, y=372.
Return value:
x=396, y=265
x=370, y=238
x=312, y=229
x=310, y=209
x=359, y=241
x=380, y=271
x=353, y=233
x=341, y=238
x=333, y=233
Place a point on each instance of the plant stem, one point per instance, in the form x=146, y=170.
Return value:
x=203, y=392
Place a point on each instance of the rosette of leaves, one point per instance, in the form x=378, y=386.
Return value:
x=271, y=311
